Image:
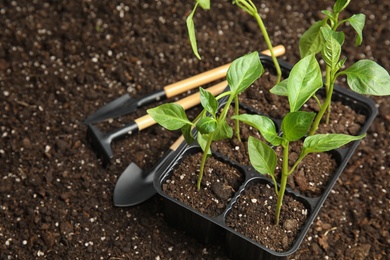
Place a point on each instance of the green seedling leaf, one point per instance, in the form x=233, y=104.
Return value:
x=206, y=125
x=262, y=157
x=340, y=5
x=208, y=101
x=223, y=131
x=243, y=72
x=332, y=46
x=191, y=32
x=296, y=124
x=262, y=123
x=304, y=80
x=327, y=33
x=205, y=4
x=311, y=41
x=202, y=141
x=340, y=64
x=186, y=131
x=280, y=89
x=329, y=14
x=326, y=142
x=357, y=21
x=369, y=78
x=171, y=116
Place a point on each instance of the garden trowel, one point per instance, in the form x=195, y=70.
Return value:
x=136, y=185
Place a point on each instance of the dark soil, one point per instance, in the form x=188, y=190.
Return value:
x=219, y=183
x=312, y=175
x=62, y=60
x=232, y=148
x=245, y=218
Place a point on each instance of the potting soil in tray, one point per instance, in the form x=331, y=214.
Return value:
x=219, y=184
x=253, y=215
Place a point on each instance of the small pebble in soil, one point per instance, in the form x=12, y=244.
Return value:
x=290, y=224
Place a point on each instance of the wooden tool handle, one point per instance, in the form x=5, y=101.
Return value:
x=186, y=103
x=209, y=76
x=196, y=81
x=177, y=143
x=278, y=50
x=194, y=99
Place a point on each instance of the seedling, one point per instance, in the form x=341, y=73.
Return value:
x=246, y=5
x=364, y=76
x=210, y=124
x=295, y=125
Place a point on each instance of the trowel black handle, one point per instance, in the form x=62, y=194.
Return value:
x=130, y=128
x=150, y=98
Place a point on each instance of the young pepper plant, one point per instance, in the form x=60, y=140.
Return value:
x=304, y=80
x=210, y=124
x=246, y=5
x=364, y=76
x=249, y=7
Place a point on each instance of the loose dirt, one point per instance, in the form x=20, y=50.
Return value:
x=62, y=60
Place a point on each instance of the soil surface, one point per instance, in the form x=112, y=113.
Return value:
x=219, y=184
x=259, y=197
x=62, y=60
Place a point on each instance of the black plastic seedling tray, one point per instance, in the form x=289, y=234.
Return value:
x=208, y=229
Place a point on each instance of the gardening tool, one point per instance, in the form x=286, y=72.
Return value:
x=125, y=104
x=135, y=185
x=102, y=141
